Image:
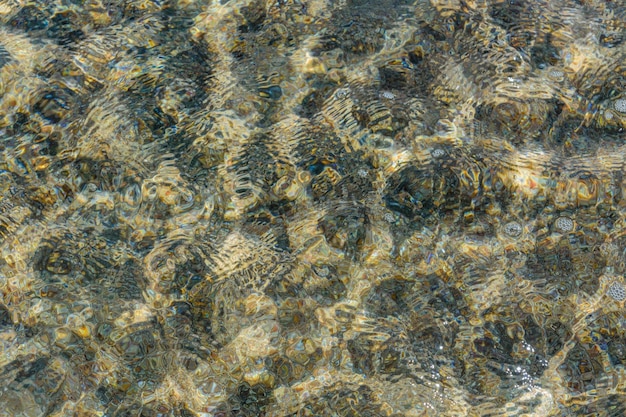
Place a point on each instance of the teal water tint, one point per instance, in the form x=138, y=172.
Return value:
x=320, y=208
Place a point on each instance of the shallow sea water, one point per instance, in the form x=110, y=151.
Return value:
x=312, y=208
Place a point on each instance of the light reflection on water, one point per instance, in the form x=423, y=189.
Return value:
x=287, y=208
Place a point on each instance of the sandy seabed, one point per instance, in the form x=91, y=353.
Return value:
x=312, y=208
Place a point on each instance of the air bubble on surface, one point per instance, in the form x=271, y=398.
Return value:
x=438, y=153
x=555, y=74
x=617, y=292
x=342, y=93
x=620, y=105
x=564, y=224
x=513, y=229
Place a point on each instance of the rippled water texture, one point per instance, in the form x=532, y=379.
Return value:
x=312, y=208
